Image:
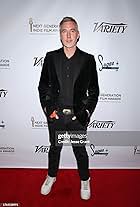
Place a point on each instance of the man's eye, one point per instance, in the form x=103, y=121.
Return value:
x=63, y=31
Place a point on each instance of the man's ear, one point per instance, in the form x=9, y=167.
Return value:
x=78, y=37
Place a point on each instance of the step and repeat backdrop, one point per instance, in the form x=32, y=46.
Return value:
x=110, y=31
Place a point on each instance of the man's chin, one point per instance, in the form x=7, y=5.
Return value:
x=69, y=46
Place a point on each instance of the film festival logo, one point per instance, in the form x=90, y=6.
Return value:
x=2, y=125
x=106, y=27
x=102, y=151
x=42, y=149
x=101, y=124
x=38, y=62
x=3, y=93
x=42, y=28
x=7, y=149
x=107, y=66
x=38, y=124
x=4, y=63
x=110, y=97
x=137, y=150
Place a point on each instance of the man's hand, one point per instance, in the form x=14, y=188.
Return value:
x=54, y=115
x=83, y=116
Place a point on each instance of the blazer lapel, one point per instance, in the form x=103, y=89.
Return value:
x=58, y=64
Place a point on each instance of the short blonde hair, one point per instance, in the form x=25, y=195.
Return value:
x=67, y=19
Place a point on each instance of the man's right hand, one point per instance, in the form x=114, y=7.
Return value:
x=54, y=115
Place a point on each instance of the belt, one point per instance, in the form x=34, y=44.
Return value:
x=67, y=111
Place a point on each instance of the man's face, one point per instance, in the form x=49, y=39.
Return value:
x=69, y=34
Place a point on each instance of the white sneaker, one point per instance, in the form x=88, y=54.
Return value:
x=47, y=185
x=85, y=189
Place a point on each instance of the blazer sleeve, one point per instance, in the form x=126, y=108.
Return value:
x=93, y=87
x=45, y=87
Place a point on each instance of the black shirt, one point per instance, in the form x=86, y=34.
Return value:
x=68, y=73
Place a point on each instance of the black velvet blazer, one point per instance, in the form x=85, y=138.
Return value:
x=86, y=89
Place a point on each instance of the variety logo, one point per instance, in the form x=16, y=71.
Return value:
x=2, y=125
x=42, y=149
x=110, y=97
x=137, y=150
x=42, y=28
x=4, y=63
x=7, y=149
x=3, y=93
x=102, y=124
x=108, y=66
x=109, y=27
x=38, y=61
x=101, y=151
x=37, y=124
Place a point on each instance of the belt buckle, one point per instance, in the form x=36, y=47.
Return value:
x=66, y=111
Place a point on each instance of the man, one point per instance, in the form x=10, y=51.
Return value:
x=68, y=90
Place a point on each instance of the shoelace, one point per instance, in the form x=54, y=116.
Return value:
x=47, y=181
x=85, y=185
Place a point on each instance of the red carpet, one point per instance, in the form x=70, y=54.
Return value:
x=110, y=188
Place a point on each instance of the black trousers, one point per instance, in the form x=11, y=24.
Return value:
x=63, y=124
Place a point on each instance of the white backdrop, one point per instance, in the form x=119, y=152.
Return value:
x=110, y=31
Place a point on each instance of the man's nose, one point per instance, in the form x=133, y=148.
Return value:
x=68, y=34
